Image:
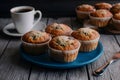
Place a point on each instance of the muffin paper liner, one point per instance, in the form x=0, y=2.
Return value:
x=116, y=23
x=87, y=46
x=35, y=49
x=64, y=56
x=100, y=22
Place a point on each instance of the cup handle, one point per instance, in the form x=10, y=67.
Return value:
x=39, y=18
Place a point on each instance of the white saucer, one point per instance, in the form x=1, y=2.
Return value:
x=11, y=31
x=89, y=25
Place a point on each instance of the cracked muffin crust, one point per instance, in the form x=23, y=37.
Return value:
x=57, y=29
x=64, y=43
x=36, y=37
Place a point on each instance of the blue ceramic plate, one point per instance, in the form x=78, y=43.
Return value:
x=82, y=59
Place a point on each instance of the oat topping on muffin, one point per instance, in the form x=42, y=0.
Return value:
x=85, y=7
x=36, y=37
x=87, y=37
x=56, y=26
x=101, y=13
x=64, y=43
x=85, y=34
x=58, y=29
x=103, y=5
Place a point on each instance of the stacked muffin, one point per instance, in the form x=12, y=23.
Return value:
x=83, y=11
x=116, y=21
x=102, y=15
x=116, y=8
x=100, y=18
x=103, y=5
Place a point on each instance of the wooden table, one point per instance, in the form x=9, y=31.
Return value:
x=13, y=67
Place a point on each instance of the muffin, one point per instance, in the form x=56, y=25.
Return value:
x=88, y=38
x=35, y=42
x=116, y=8
x=116, y=21
x=64, y=48
x=103, y=5
x=100, y=18
x=56, y=29
x=83, y=11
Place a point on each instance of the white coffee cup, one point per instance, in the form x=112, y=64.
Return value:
x=23, y=18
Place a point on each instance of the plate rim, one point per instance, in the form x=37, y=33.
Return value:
x=8, y=26
x=61, y=66
x=11, y=26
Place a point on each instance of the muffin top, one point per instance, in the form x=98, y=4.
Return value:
x=58, y=29
x=85, y=8
x=103, y=5
x=117, y=16
x=115, y=8
x=101, y=13
x=64, y=43
x=36, y=37
x=85, y=34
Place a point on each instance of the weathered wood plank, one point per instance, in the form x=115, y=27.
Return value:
x=115, y=68
x=3, y=44
x=110, y=47
x=77, y=74
x=118, y=39
x=3, y=41
x=12, y=67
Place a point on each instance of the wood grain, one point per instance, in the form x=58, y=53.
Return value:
x=110, y=47
x=3, y=41
x=13, y=67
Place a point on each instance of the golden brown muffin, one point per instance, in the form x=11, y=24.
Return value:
x=85, y=8
x=116, y=21
x=64, y=48
x=83, y=11
x=36, y=37
x=100, y=18
x=103, y=5
x=116, y=8
x=35, y=42
x=88, y=38
x=85, y=34
x=56, y=29
x=64, y=43
x=101, y=13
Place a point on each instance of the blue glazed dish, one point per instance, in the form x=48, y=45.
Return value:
x=83, y=58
